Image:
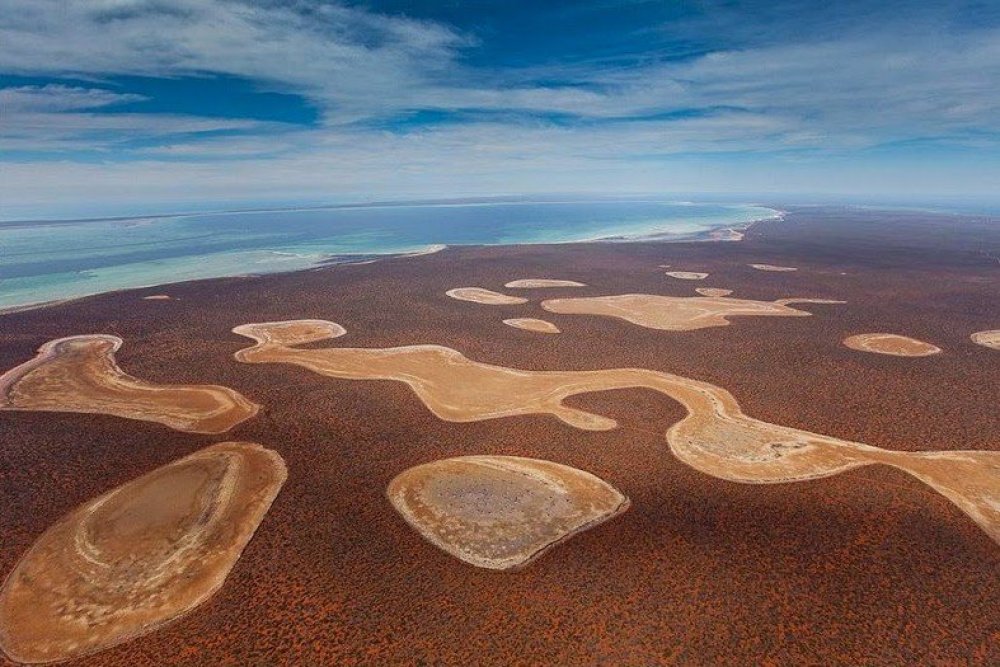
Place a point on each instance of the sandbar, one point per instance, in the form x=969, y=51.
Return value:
x=535, y=283
x=484, y=296
x=772, y=267
x=687, y=275
x=892, y=344
x=139, y=556
x=676, y=313
x=80, y=374
x=532, y=324
x=158, y=297
x=713, y=291
x=987, y=338
x=501, y=512
x=714, y=437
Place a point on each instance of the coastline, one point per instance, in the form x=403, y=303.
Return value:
x=719, y=232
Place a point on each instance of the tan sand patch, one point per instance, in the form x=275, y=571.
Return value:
x=531, y=324
x=501, y=512
x=79, y=374
x=158, y=297
x=533, y=283
x=727, y=234
x=139, y=556
x=885, y=343
x=676, y=313
x=713, y=291
x=715, y=437
x=772, y=267
x=488, y=297
x=687, y=275
x=987, y=338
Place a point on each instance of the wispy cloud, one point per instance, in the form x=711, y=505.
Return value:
x=767, y=80
x=64, y=118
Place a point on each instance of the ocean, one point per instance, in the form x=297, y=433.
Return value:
x=55, y=260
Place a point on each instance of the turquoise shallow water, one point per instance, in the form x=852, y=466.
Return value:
x=42, y=262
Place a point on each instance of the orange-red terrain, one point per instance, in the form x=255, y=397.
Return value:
x=871, y=565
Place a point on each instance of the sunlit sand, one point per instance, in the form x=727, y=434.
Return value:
x=533, y=283
x=139, y=556
x=987, y=338
x=715, y=437
x=772, y=267
x=687, y=275
x=893, y=344
x=531, y=324
x=501, y=512
x=676, y=313
x=79, y=374
x=484, y=296
x=713, y=291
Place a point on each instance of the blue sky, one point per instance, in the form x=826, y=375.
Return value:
x=130, y=106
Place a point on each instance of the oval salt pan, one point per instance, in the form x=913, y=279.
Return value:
x=80, y=374
x=892, y=344
x=139, y=556
x=501, y=512
x=484, y=296
x=532, y=324
x=987, y=338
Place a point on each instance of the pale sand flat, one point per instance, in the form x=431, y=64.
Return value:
x=148, y=552
x=484, y=296
x=501, y=512
x=687, y=275
x=772, y=267
x=533, y=283
x=727, y=235
x=158, y=297
x=676, y=313
x=531, y=324
x=714, y=437
x=79, y=374
x=987, y=338
x=893, y=344
x=713, y=291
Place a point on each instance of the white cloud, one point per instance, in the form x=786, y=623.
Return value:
x=346, y=57
x=62, y=118
x=907, y=81
x=55, y=98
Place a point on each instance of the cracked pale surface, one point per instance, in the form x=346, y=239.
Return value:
x=532, y=324
x=714, y=437
x=484, y=296
x=676, y=313
x=501, y=512
x=893, y=344
x=987, y=338
x=535, y=283
x=687, y=275
x=139, y=556
x=79, y=374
